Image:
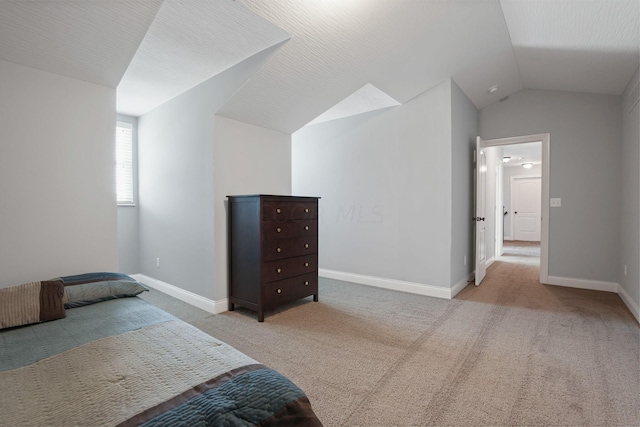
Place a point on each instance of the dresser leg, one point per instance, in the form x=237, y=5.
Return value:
x=231, y=306
x=315, y=297
x=260, y=316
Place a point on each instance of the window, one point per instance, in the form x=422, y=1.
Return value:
x=124, y=163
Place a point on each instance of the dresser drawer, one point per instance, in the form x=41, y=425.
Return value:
x=286, y=248
x=281, y=211
x=291, y=228
x=288, y=267
x=287, y=290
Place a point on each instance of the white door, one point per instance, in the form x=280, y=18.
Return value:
x=526, y=208
x=481, y=208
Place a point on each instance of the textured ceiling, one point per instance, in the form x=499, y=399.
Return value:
x=401, y=47
x=92, y=41
x=407, y=47
x=584, y=46
x=189, y=42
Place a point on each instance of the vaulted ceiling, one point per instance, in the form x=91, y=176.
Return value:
x=379, y=51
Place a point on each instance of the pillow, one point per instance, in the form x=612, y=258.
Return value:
x=31, y=303
x=90, y=288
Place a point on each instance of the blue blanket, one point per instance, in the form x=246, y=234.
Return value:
x=160, y=371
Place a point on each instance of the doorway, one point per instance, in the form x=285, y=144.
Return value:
x=532, y=224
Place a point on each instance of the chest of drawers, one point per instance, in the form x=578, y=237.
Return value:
x=272, y=250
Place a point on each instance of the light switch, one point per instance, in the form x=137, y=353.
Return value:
x=556, y=203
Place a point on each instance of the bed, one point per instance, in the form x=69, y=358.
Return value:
x=99, y=355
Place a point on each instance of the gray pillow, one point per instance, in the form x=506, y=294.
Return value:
x=91, y=288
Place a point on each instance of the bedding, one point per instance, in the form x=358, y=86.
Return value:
x=124, y=362
x=90, y=288
x=31, y=303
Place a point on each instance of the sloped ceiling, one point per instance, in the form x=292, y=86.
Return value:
x=583, y=46
x=401, y=47
x=367, y=98
x=93, y=41
x=189, y=42
x=407, y=47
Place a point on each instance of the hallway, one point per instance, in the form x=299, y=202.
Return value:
x=514, y=280
x=515, y=248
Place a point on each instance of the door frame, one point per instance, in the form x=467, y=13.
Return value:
x=544, y=235
x=499, y=209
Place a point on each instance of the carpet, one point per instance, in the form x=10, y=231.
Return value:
x=509, y=352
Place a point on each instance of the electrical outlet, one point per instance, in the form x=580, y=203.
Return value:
x=158, y=262
x=555, y=202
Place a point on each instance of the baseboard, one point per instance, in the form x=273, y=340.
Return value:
x=593, y=285
x=631, y=304
x=455, y=290
x=196, y=300
x=396, y=285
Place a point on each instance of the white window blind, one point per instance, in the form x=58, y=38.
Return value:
x=124, y=163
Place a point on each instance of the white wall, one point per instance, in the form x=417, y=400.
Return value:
x=248, y=160
x=176, y=181
x=630, y=195
x=464, y=130
x=385, y=182
x=57, y=176
x=510, y=171
x=585, y=153
x=128, y=233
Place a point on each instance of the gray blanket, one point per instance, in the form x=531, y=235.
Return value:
x=126, y=363
x=23, y=346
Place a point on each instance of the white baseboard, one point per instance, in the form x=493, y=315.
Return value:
x=593, y=285
x=597, y=286
x=396, y=285
x=196, y=300
x=633, y=307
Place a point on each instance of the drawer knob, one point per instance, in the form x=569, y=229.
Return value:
x=306, y=264
x=306, y=245
x=306, y=227
x=306, y=210
x=278, y=229
x=279, y=270
x=278, y=210
x=278, y=250
x=306, y=283
x=279, y=291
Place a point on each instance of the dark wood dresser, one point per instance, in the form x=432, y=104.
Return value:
x=273, y=250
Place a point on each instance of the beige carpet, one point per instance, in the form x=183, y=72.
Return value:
x=510, y=352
